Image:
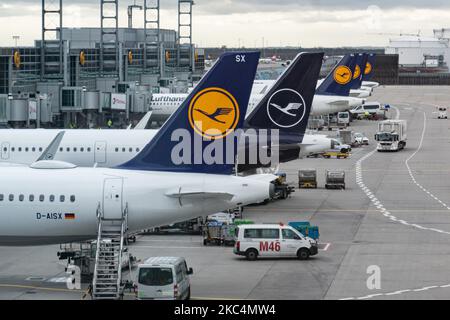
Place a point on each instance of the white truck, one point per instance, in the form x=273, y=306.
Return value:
x=391, y=135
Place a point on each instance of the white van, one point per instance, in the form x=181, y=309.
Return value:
x=164, y=278
x=370, y=107
x=343, y=119
x=442, y=113
x=273, y=240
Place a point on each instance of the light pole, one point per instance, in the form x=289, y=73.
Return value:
x=16, y=39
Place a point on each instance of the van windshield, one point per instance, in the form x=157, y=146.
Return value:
x=155, y=276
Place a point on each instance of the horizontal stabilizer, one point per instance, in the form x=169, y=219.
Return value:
x=144, y=121
x=339, y=103
x=266, y=177
x=197, y=194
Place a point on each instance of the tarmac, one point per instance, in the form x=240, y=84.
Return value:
x=393, y=217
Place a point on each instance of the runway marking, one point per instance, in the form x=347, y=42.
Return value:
x=378, y=204
x=414, y=180
x=388, y=214
x=327, y=246
x=39, y=288
x=399, y=292
x=397, y=113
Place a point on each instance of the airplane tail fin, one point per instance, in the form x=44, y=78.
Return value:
x=361, y=62
x=287, y=105
x=212, y=111
x=368, y=71
x=338, y=82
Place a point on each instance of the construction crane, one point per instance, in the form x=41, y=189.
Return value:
x=130, y=13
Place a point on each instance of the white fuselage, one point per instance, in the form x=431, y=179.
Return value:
x=166, y=104
x=313, y=144
x=84, y=148
x=44, y=206
x=89, y=148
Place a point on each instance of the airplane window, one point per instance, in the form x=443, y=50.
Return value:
x=19, y=149
x=131, y=149
x=31, y=198
x=5, y=149
x=137, y=149
x=11, y=197
x=40, y=150
x=13, y=149
x=68, y=149
x=117, y=149
x=74, y=149
x=123, y=149
x=62, y=198
x=81, y=149
x=33, y=149
x=41, y=198
x=52, y=198
x=72, y=198
x=21, y=198
x=88, y=149
x=1, y=197
x=61, y=149
x=26, y=149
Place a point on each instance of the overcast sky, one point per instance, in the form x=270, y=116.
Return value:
x=309, y=23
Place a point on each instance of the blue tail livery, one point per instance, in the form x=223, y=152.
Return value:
x=368, y=72
x=287, y=105
x=214, y=109
x=285, y=108
x=338, y=82
x=361, y=62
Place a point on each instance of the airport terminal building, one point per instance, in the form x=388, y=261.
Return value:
x=88, y=76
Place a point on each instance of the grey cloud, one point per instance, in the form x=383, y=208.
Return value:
x=221, y=7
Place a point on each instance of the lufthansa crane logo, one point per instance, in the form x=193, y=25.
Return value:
x=17, y=59
x=357, y=72
x=368, y=68
x=343, y=75
x=286, y=108
x=214, y=113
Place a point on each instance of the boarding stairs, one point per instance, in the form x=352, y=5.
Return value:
x=107, y=280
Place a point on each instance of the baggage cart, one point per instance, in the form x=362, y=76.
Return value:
x=307, y=179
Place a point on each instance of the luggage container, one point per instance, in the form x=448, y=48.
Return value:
x=305, y=228
x=335, y=179
x=307, y=179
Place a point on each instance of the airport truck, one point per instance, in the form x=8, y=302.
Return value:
x=391, y=135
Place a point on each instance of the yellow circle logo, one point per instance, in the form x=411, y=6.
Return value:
x=357, y=72
x=368, y=68
x=130, y=57
x=17, y=59
x=343, y=75
x=82, y=58
x=214, y=113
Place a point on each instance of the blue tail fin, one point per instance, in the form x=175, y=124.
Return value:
x=214, y=109
x=361, y=62
x=368, y=73
x=338, y=82
x=287, y=105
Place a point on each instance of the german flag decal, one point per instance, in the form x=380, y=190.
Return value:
x=69, y=216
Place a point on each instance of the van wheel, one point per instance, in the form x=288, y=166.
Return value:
x=303, y=254
x=251, y=254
